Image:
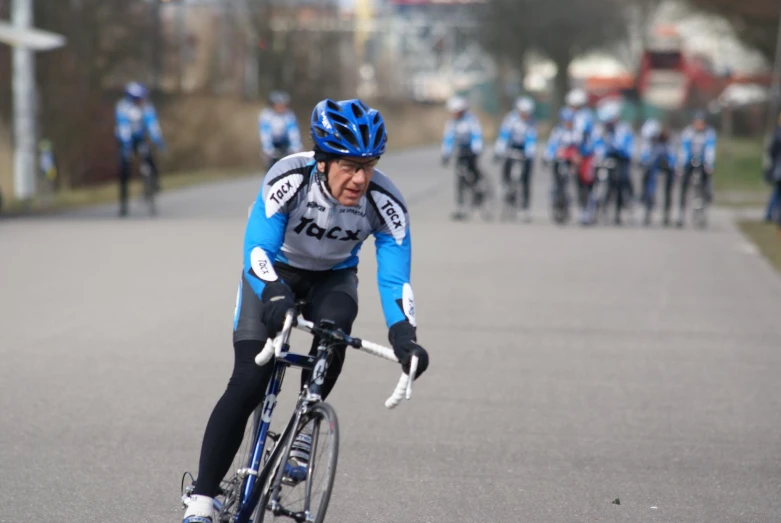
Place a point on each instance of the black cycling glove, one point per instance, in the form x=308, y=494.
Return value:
x=403, y=339
x=277, y=300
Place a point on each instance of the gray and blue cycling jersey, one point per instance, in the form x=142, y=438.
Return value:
x=296, y=221
x=559, y=139
x=585, y=129
x=619, y=142
x=518, y=133
x=700, y=145
x=134, y=122
x=279, y=131
x=464, y=134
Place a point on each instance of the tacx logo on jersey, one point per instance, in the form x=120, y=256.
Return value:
x=281, y=191
x=392, y=213
x=310, y=228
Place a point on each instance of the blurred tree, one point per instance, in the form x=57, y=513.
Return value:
x=755, y=21
x=295, y=51
x=560, y=30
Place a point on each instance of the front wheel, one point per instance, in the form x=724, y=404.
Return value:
x=305, y=500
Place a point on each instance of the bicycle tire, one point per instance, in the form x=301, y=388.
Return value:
x=322, y=411
x=149, y=188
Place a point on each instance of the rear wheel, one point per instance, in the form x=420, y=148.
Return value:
x=149, y=187
x=308, y=499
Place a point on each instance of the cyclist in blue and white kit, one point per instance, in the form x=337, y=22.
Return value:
x=136, y=122
x=698, y=146
x=584, y=127
x=657, y=158
x=463, y=136
x=518, y=132
x=278, y=129
x=615, y=139
x=305, y=230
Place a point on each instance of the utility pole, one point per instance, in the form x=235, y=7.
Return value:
x=25, y=113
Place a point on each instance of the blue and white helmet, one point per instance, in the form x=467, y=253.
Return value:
x=566, y=115
x=348, y=128
x=525, y=105
x=609, y=111
x=136, y=90
x=279, y=98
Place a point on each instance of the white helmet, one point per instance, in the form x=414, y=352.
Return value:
x=651, y=129
x=457, y=104
x=525, y=104
x=609, y=112
x=577, y=98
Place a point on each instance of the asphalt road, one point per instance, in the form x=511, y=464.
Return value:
x=569, y=367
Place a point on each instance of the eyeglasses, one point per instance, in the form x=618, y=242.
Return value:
x=353, y=167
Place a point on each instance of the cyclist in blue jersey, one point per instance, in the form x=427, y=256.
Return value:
x=306, y=227
x=278, y=129
x=518, y=134
x=584, y=129
x=136, y=123
x=615, y=139
x=698, y=148
x=463, y=137
x=657, y=158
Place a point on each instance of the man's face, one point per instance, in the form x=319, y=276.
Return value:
x=349, y=177
x=699, y=125
x=138, y=101
x=280, y=108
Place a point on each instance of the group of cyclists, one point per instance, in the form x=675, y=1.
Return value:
x=591, y=152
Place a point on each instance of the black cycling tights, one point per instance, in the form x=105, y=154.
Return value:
x=247, y=387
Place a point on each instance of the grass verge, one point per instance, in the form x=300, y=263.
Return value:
x=108, y=192
x=766, y=237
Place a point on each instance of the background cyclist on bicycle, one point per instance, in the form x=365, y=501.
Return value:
x=583, y=124
x=136, y=123
x=698, y=147
x=518, y=132
x=306, y=227
x=464, y=135
x=615, y=140
x=657, y=156
x=279, y=134
x=565, y=145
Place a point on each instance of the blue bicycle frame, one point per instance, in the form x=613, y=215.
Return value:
x=250, y=491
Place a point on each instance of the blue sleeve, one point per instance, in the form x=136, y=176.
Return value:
x=553, y=144
x=600, y=147
x=294, y=135
x=627, y=145
x=448, y=138
x=394, y=261
x=265, y=233
x=123, y=131
x=710, y=150
x=152, y=125
x=266, y=141
x=684, y=157
x=477, y=137
x=530, y=147
x=504, y=136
